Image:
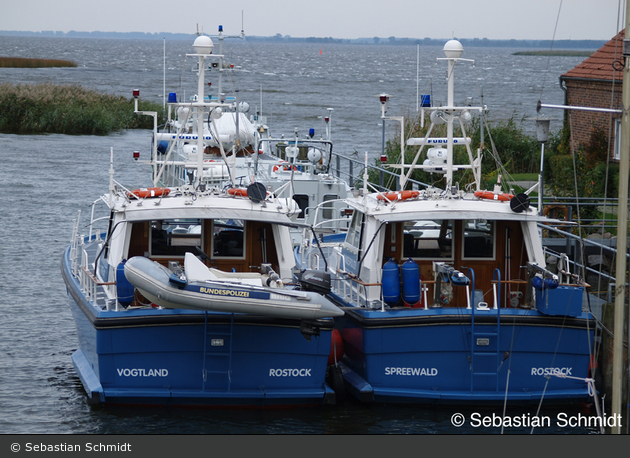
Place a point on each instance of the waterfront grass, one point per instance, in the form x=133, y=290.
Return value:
x=554, y=53
x=24, y=62
x=68, y=109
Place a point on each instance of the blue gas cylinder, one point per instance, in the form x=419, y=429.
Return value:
x=391, y=282
x=123, y=287
x=411, y=282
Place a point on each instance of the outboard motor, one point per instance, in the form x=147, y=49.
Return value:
x=316, y=281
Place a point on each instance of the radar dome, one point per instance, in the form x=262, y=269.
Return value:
x=453, y=49
x=203, y=45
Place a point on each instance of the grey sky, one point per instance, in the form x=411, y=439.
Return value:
x=493, y=19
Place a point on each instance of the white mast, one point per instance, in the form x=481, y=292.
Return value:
x=452, y=50
x=203, y=46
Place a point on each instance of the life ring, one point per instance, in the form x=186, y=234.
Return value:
x=398, y=195
x=149, y=192
x=285, y=168
x=489, y=195
x=554, y=209
x=237, y=192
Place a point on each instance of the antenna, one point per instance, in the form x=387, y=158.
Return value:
x=164, y=79
x=417, y=77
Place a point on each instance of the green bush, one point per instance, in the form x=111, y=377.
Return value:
x=591, y=168
x=48, y=108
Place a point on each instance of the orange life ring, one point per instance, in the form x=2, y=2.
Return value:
x=237, y=192
x=398, y=195
x=503, y=197
x=149, y=192
x=277, y=167
x=555, y=208
x=284, y=167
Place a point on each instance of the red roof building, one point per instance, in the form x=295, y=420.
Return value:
x=596, y=82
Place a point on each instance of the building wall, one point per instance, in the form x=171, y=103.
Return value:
x=598, y=94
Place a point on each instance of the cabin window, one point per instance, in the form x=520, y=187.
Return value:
x=302, y=201
x=478, y=239
x=353, y=237
x=428, y=239
x=228, y=239
x=328, y=207
x=175, y=237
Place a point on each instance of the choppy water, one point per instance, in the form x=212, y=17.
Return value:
x=46, y=179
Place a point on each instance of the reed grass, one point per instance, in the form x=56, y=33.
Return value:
x=24, y=62
x=68, y=109
x=554, y=53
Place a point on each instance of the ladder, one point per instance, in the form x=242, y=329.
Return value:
x=217, y=357
x=485, y=358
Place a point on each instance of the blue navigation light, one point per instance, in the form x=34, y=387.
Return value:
x=311, y=132
x=172, y=97
x=425, y=100
x=220, y=28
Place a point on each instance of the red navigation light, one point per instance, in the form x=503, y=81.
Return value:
x=136, y=155
x=326, y=119
x=136, y=93
x=384, y=98
x=383, y=158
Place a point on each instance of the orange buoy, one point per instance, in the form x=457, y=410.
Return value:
x=237, y=192
x=489, y=195
x=398, y=195
x=149, y=192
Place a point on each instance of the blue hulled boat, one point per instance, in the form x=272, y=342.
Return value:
x=446, y=292
x=187, y=297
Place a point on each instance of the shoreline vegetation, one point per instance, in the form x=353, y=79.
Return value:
x=280, y=38
x=25, y=62
x=558, y=53
x=46, y=108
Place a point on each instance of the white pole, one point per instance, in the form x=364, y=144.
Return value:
x=540, y=177
x=449, y=124
x=622, y=241
x=417, y=78
x=200, y=101
x=164, y=80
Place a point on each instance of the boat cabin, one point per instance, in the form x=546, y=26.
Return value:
x=484, y=250
x=240, y=240
x=227, y=245
x=480, y=245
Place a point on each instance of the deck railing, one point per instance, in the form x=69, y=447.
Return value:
x=82, y=264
